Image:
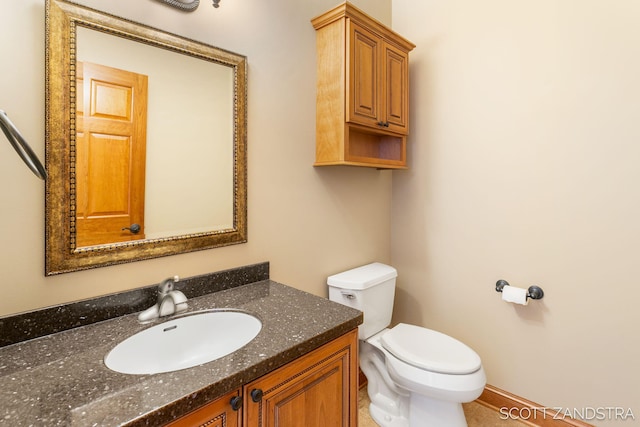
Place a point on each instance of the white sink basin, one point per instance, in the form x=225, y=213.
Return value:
x=183, y=342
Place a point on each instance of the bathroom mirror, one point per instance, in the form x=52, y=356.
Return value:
x=175, y=183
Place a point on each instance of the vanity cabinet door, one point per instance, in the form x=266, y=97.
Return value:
x=219, y=413
x=317, y=390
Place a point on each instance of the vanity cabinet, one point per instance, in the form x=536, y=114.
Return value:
x=362, y=91
x=318, y=389
x=222, y=412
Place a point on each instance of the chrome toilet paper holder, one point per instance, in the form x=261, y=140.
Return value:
x=533, y=292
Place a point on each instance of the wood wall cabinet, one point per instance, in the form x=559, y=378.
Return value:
x=362, y=98
x=318, y=389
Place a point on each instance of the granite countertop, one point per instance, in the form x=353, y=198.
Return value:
x=61, y=379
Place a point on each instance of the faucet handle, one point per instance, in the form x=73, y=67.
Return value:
x=166, y=285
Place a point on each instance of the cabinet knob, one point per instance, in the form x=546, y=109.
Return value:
x=256, y=395
x=236, y=402
x=383, y=124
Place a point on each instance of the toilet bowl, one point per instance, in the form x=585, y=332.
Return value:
x=416, y=376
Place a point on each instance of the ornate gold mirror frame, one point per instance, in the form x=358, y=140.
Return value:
x=61, y=252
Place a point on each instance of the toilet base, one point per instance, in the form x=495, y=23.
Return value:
x=386, y=419
x=425, y=411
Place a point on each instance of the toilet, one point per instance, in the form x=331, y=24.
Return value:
x=416, y=376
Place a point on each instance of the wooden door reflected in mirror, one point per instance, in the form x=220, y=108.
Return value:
x=111, y=133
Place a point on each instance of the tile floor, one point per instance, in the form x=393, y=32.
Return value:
x=477, y=415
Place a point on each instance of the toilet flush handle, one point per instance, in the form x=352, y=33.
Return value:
x=348, y=295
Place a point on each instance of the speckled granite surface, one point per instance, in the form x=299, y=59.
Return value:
x=47, y=321
x=61, y=379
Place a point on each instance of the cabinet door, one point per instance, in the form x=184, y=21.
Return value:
x=378, y=84
x=317, y=390
x=363, y=65
x=396, y=96
x=219, y=413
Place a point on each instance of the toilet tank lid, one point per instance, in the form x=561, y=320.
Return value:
x=363, y=277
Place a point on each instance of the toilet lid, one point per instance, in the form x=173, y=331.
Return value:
x=430, y=350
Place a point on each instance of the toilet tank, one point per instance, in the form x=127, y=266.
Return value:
x=370, y=289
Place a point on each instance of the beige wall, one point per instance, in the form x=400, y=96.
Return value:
x=307, y=222
x=524, y=160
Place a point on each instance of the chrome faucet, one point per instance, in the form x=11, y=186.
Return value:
x=170, y=301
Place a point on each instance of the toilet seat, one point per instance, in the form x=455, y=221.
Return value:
x=430, y=350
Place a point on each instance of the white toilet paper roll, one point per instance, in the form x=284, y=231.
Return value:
x=515, y=295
